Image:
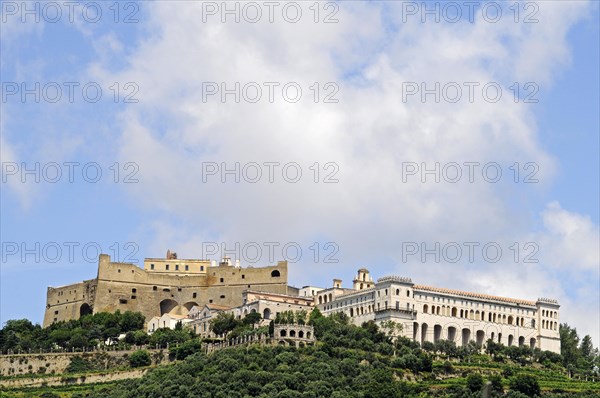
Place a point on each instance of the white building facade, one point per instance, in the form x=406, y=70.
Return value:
x=432, y=314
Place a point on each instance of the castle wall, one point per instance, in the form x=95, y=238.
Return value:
x=69, y=302
x=126, y=287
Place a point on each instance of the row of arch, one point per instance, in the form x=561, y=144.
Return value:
x=170, y=306
x=476, y=315
x=422, y=333
x=293, y=334
x=326, y=298
x=550, y=314
x=550, y=325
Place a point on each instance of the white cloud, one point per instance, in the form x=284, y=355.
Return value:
x=369, y=133
x=572, y=239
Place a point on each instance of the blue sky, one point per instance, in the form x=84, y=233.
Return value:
x=369, y=53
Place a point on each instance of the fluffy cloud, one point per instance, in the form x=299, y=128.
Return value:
x=371, y=54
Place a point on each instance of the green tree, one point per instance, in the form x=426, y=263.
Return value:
x=186, y=349
x=474, y=382
x=79, y=338
x=391, y=328
x=223, y=323
x=301, y=317
x=140, y=358
x=164, y=337
x=526, y=384
x=496, y=381
x=131, y=321
x=569, y=343
x=251, y=318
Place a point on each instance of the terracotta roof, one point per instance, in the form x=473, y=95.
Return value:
x=474, y=295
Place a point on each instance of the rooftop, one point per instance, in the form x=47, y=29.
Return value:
x=474, y=295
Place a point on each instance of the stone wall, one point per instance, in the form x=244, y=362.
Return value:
x=126, y=287
x=56, y=363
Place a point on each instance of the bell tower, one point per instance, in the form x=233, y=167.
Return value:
x=363, y=280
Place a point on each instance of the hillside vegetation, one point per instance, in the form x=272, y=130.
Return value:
x=350, y=361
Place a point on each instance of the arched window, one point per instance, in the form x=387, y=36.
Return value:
x=275, y=274
x=267, y=313
x=425, y=308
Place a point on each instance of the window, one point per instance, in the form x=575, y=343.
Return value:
x=243, y=276
x=222, y=296
x=221, y=280
x=176, y=267
x=151, y=266
x=210, y=301
x=122, y=301
x=194, y=295
x=119, y=271
x=275, y=274
x=55, y=312
x=134, y=290
x=167, y=267
x=187, y=267
x=133, y=297
x=154, y=288
x=202, y=268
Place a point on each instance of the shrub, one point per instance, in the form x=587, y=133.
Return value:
x=140, y=358
x=474, y=382
x=186, y=349
x=525, y=384
x=79, y=365
x=448, y=368
x=496, y=381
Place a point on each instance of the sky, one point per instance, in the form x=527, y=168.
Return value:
x=454, y=144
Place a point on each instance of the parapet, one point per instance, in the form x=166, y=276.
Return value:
x=391, y=278
x=547, y=301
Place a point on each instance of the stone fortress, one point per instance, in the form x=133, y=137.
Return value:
x=170, y=290
x=165, y=285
